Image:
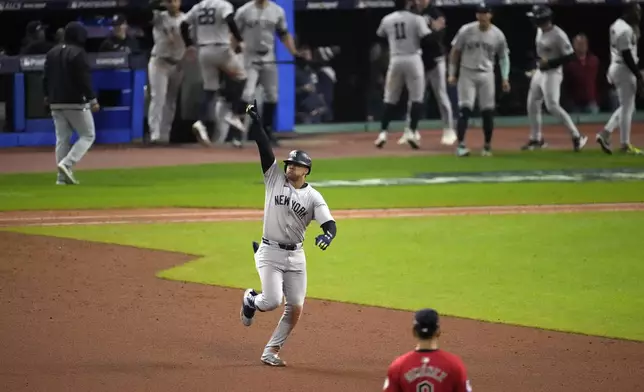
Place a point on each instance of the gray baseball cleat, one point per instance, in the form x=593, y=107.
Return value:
x=247, y=311
x=578, y=143
x=68, y=175
x=273, y=359
x=603, y=140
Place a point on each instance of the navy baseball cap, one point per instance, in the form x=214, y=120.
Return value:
x=118, y=19
x=483, y=8
x=426, y=321
x=34, y=26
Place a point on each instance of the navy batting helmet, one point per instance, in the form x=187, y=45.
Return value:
x=540, y=14
x=299, y=157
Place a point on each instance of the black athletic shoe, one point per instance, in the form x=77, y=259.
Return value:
x=534, y=145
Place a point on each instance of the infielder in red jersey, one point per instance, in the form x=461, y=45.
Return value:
x=427, y=368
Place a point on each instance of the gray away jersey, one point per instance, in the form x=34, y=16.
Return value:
x=208, y=18
x=258, y=25
x=166, y=31
x=553, y=44
x=622, y=37
x=288, y=211
x=479, y=48
x=403, y=31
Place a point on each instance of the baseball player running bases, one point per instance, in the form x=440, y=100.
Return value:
x=164, y=68
x=290, y=205
x=625, y=76
x=214, y=23
x=258, y=22
x=427, y=368
x=553, y=50
x=474, y=49
x=435, y=74
x=405, y=32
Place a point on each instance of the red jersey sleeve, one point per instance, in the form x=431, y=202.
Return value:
x=392, y=382
x=461, y=381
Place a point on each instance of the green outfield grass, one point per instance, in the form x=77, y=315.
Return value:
x=240, y=184
x=584, y=276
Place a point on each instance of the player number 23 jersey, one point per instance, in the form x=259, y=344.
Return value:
x=622, y=37
x=287, y=210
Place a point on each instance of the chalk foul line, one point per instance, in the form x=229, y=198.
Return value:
x=74, y=218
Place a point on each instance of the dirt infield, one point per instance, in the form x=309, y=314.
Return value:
x=178, y=215
x=85, y=316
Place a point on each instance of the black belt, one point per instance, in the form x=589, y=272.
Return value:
x=168, y=60
x=282, y=246
x=215, y=44
x=261, y=52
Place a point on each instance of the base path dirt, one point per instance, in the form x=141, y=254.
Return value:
x=85, y=316
x=179, y=215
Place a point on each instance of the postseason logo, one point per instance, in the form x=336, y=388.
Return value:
x=93, y=4
x=32, y=63
x=10, y=6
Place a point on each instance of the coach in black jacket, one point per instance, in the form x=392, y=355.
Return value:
x=69, y=94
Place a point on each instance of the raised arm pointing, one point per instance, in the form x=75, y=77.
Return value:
x=257, y=131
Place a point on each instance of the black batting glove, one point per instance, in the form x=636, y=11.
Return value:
x=251, y=110
x=323, y=241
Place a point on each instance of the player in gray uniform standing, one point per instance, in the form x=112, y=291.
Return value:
x=258, y=22
x=435, y=73
x=164, y=68
x=554, y=50
x=474, y=49
x=290, y=205
x=624, y=74
x=405, y=32
x=214, y=23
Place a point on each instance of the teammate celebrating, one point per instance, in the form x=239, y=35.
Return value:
x=258, y=21
x=164, y=68
x=405, y=33
x=427, y=368
x=290, y=205
x=435, y=73
x=554, y=50
x=624, y=75
x=475, y=46
x=214, y=22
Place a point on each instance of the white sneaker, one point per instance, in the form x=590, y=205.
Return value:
x=201, y=133
x=462, y=151
x=237, y=143
x=407, y=133
x=235, y=121
x=381, y=140
x=449, y=137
